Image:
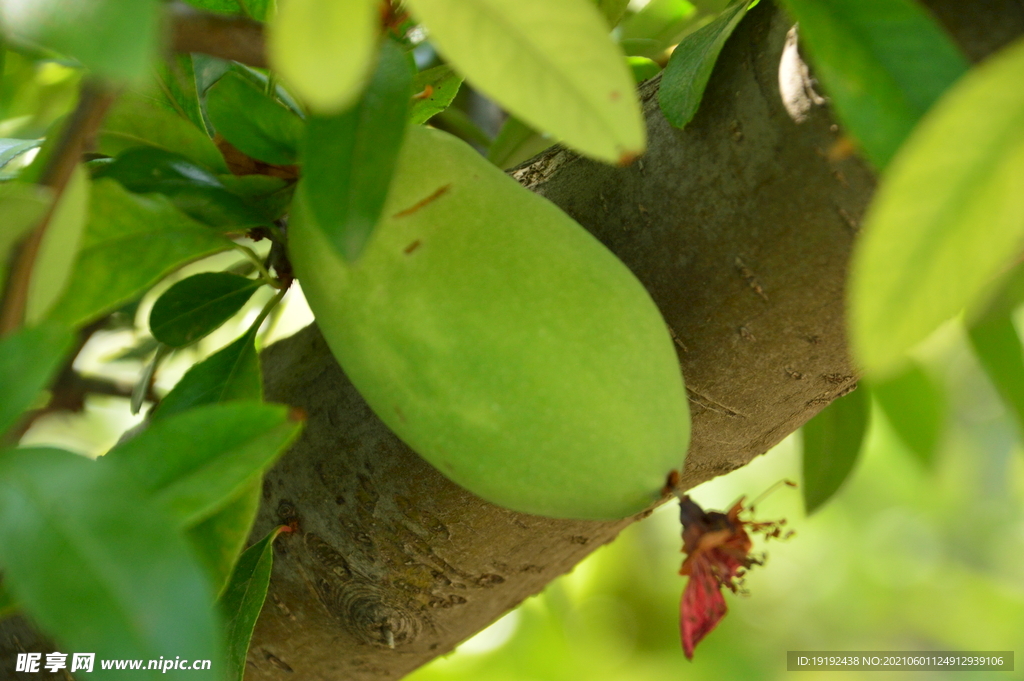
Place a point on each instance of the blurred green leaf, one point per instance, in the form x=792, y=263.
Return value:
x=1006, y=296
x=231, y=373
x=552, y=64
x=253, y=122
x=59, y=247
x=643, y=68
x=197, y=461
x=196, y=306
x=97, y=564
x=221, y=6
x=324, y=49
x=690, y=66
x=998, y=348
x=22, y=206
x=219, y=539
x=29, y=358
x=138, y=120
x=130, y=243
x=883, y=63
x=266, y=196
x=916, y=408
x=947, y=219
x=8, y=606
x=516, y=142
x=177, y=80
x=348, y=158
x=260, y=10
x=442, y=84
x=115, y=38
x=194, y=190
x=612, y=10
x=832, y=441
x=11, y=149
x=243, y=599
x=658, y=26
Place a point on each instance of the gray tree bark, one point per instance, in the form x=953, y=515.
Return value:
x=740, y=226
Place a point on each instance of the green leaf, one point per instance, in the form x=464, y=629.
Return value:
x=612, y=10
x=690, y=66
x=998, y=348
x=916, y=408
x=348, y=158
x=658, y=25
x=947, y=219
x=177, y=79
x=260, y=10
x=324, y=49
x=11, y=149
x=552, y=64
x=1007, y=296
x=59, y=247
x=882, y=62
x=8, y=606
x=130, y=243
x=138, y=120
x=515, y=143
x=253, y=122
x=643, y=68
x=194, y=190
x=22, y=206
x=243, y=599
x=231, y=373
x=196, y=306
x=221, y=6
x=266, y=196
x=98, y=565
x=832, y=441
x=115, y=38
x=435, y=88
x=219, y=539
x=197, y=461
x=29, y=358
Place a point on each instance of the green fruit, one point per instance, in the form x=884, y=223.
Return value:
x=500, y=340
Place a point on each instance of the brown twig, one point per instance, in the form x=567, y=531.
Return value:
x=217, y=35
x=74, y=138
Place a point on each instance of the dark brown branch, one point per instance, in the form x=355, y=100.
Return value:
x=217, y=35
x=74, y=140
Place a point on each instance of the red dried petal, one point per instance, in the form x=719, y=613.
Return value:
x=702, y=606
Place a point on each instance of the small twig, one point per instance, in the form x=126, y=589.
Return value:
x=252, y=256
x=144, y=387
x=93, y=103
x=232, y=38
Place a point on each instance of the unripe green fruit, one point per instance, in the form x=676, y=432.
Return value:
x=500, y=340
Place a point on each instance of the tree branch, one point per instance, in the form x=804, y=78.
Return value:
x=217, y=35
x=93, y=103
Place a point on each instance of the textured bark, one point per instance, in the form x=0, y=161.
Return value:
x=740, y=226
